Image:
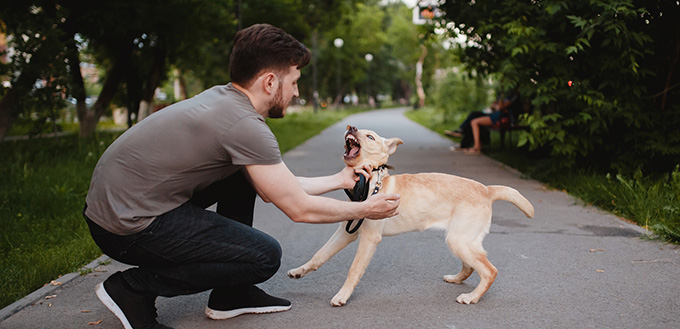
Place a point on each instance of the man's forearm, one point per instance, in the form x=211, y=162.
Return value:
x=320, y=185
x=319, y=209
x=344, y=179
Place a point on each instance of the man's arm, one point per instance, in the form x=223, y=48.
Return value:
x=345, y=179
x=276, y=184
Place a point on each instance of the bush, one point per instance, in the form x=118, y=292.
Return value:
x=600, y=74
x=456, y=94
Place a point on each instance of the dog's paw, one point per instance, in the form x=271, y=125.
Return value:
x=297, y=273
x=467, y=299
x=339, y=299
x=453, y=279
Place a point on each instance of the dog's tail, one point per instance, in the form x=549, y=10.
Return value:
x=500, y=192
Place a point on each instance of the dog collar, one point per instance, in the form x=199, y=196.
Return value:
x=384, y=166
x=360, y=193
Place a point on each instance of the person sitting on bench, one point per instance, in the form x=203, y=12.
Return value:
x=471, y=129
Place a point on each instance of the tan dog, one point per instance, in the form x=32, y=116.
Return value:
x=459, y=205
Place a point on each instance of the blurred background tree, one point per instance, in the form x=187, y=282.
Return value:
x=599, y=77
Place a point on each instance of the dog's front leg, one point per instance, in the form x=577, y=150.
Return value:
x=337, y=242
x=370, y=237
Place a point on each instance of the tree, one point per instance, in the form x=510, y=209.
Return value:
x=49, y=37
x=403, y=40
x=37, y=54
x=193, y=38
x=600, y=78
x=160, y=34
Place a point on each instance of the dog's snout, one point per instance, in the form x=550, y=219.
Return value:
x=351, y=129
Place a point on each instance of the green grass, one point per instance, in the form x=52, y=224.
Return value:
x=651, y=202
x=434, y=120
x=24, y=128
x=43, y=184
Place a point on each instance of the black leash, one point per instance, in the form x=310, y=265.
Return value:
x=360, y=193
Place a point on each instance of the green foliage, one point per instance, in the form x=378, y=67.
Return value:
x=36, y=53
x=43, y=184
x=653, y=203
x=356, y=72
x=601, y=75
x=457, y=94
x=195, y=38
x=48, y=39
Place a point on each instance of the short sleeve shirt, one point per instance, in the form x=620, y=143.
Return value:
x=158, y=164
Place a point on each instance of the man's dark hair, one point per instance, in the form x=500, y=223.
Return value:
x=263, y=46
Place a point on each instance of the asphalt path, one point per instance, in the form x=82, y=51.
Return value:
x=572, y=266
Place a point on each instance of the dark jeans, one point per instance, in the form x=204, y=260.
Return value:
x=468, y=139
x=190, y=249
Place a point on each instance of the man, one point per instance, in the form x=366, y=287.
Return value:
x=148, y=194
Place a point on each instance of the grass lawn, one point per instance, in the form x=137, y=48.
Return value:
x=43, y=184
x=651, y=202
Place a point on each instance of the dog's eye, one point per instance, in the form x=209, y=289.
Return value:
x=370, y=137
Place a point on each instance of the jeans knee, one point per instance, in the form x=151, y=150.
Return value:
x=270, y=261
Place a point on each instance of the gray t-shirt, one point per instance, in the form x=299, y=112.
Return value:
x=158, y=164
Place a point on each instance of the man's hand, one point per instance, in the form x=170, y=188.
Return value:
x=350, y=175
x=383, y=205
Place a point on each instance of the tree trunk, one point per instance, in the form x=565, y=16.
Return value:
x=90, y=117
x=420, y=91
x=670, y=72
x=146, y=105
x=134, y=94
x=183, y=94
x=7, y=112
x=77, y=85
x=315, y=80
x=180, y=86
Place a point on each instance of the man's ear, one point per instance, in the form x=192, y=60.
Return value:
x=392, y=144
x=270, y=82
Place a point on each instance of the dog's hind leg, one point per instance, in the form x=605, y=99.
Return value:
x=465, y=272
x=474, y=258
x=468, y=247
x=370, y=237
x=339, y=240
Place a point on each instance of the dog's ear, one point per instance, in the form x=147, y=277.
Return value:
x=392, y=144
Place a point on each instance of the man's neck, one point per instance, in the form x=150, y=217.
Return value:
x=259, y=106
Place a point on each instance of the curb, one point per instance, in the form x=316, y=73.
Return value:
x=46, y=290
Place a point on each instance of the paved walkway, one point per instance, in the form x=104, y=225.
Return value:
x=572, y=266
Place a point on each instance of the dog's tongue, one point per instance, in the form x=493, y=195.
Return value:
x=353, y=152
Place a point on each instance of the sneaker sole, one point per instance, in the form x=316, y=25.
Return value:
x=221, y=315
x=111, y=305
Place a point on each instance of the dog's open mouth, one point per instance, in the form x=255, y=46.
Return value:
x=352, y=147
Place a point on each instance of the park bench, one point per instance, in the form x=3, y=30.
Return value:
x=506, y=125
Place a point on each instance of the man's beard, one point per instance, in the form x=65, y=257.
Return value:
x=277, y=107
